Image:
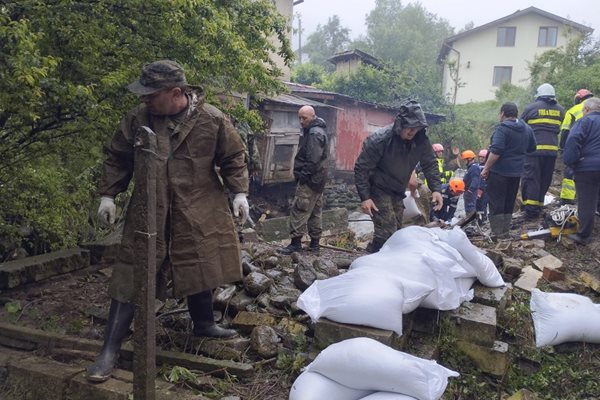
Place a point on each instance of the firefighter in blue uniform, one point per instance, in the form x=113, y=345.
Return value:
x=545, y=117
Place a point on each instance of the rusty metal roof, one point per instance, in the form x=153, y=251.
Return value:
x=293, y=100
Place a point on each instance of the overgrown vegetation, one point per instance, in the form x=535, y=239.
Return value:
x=64, y=66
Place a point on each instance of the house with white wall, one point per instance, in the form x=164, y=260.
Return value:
x=476, y=62
x=285, y=8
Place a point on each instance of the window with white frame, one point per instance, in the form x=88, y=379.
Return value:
x=501, y=75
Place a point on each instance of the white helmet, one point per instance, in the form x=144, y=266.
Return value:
x=545, y=90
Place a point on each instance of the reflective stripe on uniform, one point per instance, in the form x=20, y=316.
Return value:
x=546, y=147
x=567, y=191
x=544, y=121
x=533, y=203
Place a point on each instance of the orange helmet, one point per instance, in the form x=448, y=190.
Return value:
x=583, y=94
x=457, y=185
x=467, y=155
x=437, y=147
x=483, y=153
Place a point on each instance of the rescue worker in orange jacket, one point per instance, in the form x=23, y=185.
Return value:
x=451, y=192
x=544, y=116
x=567, y=190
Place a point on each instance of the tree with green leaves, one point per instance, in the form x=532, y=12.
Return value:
x=64, y=65
x=326, y=41
x=309, y=74
x=400, y=34
x=569, y=69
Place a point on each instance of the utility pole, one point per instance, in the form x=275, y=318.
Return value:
x=299, y=17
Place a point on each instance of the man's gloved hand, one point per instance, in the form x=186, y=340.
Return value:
x=240, y=203
x=107, y=210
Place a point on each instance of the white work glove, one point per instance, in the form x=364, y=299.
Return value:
x=240, y=203
x=107, y=210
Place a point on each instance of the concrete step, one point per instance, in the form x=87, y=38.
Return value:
x=474, y=323
x=493, y=360
x=328, y=332
x=31, y=377
x=37, y=268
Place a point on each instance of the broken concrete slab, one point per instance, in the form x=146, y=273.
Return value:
x=273, y=229
x=493, y=360
x=493, y=297
x=37, y=268
x=51, y=378
x=328, y=332
x=549, y=262
x=291, y=327
x=475, y=323
x=246, y=321
x=528, y=279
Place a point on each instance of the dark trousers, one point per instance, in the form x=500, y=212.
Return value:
x=502, y=192
x=537, y=178
x=587, y=185
x=306, y=212
x=388, y=219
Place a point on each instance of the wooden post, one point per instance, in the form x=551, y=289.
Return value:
x=144, y=336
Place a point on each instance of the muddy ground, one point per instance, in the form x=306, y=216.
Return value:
x=77, y=304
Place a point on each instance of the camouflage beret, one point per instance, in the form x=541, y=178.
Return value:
x=158, y=75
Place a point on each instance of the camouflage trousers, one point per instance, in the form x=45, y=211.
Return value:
x=388, y=219
x=306, y=212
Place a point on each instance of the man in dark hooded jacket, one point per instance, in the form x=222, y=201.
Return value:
x=310, y=171
x=510, y=143
x=544, y=116
x=385, y=165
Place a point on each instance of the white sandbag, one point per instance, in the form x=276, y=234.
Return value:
x=411, y=268
x=387, y=396
x=366, y=364
x=483, y=267
x=564, y=317
x=361, y=297
x=418, y=239
x=314, y=386
x=411, y=209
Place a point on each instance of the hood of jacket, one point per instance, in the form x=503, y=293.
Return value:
x=517, y=124
x=317, y=122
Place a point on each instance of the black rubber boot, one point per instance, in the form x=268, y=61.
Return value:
x=314, y=244
x=200, y=306
x=117, y=327
x=295, y=245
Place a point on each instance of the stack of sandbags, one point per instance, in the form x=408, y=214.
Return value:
x=416, y=267
x=358, y=368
